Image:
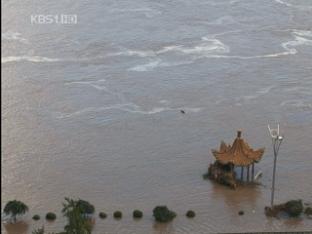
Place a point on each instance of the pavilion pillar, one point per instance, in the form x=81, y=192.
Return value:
x=242, y=173
x=248, y=173
x=253, y=172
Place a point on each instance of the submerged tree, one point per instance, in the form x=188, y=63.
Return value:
x=15, y=208
x=77, y=222
x=38, y=231
x=86, y=207
x=42, y=231
x=163, y=214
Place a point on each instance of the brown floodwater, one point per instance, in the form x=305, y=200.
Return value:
x=92, y=110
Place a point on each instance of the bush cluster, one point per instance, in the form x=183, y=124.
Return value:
x=137, y=214
x=190, y=214
x=50, y=216
x=102, y=215
x=117, y=214
x=36, y=217
x=163, y=214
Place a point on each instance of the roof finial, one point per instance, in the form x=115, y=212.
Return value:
x=239, y=133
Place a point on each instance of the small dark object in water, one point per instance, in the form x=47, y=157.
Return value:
x=241, y=212
x=182, y=111
x=50, y=216
x=36, y=217
x=117, y=214
x=102, y=215
x=163, y=214
x=137, y=214
x=190, y=214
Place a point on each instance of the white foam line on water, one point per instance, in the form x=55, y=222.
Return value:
x=207, y=47
x=222, y=21
x=34, y=59
x=297, y=103
x=146, y=67
x=156, y=64
x=13, y=36
x=211, y=47
x=127, y=107
x=139, y=53
x=95, y=84
x=148, y=12
x=98, y=85
x=300, y=7
x=258, y=93
x=288, y=46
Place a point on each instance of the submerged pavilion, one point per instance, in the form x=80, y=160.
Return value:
x=239, y=154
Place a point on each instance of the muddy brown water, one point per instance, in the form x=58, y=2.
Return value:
x=93, y=110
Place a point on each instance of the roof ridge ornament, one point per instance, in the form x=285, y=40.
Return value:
x=239, y=133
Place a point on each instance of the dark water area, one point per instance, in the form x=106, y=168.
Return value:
x=92, y=109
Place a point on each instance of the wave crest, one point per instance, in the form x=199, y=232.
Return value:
x=35, y=59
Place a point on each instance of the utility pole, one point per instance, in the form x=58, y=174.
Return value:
x=276, y=142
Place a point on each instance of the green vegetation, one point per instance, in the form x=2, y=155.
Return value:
x=50, y=216
x=221, y=174
x=294, y=208
x=36, y=217
x=77, y=222
x=85, y=207
x=102, y=215
x=190, y=214
x=137, y=214
x=41, y=231
x=38, y=231
x=308, y=211
x=163, y=214
x=117, y=214
x=15, y=208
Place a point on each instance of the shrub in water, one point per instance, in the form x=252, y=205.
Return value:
x=77, y=221
x=117, y=214
x=36, y=217
x=137, y=214
x=190, y=214
x=50, y=216
x=163, y=214
x=15, y=208
x=85, y=207
x=38, y=231
x=102, y=215
x=294, y=208
x=308, y=211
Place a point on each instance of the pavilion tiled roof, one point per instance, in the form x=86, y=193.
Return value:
x=239, y=154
